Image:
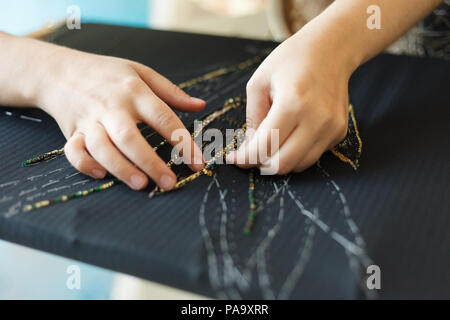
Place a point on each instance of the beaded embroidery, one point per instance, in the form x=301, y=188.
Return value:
x=348, y=151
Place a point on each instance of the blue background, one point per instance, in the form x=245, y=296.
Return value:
x=23, y=16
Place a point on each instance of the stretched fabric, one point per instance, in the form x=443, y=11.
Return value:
x=315, y=234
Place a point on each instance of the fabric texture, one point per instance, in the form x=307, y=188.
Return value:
x=315, y=233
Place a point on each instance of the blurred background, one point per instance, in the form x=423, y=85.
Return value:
x=245, y=18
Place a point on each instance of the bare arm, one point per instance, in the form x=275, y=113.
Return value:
x=344, y=25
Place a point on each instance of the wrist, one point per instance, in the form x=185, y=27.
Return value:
x=325, y=47
x=338, y=37
x=26, y=80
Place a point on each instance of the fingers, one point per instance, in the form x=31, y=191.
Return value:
x=310, y=159
x=319, y=148
x=125, y=135
x=101, y=148
x=296, y=146
x=304, y=146
x=269, y=136
x=163, y=120
x=167, y=91
x=76, y=154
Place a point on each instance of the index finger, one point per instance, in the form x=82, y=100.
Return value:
x=157, y=114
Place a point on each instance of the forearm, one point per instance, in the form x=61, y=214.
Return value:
x=343, y=27
x=25, y=65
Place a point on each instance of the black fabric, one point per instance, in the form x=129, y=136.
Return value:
x=318, y=230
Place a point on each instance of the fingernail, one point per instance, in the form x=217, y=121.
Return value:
x=197, y=100
x=167, y=182
x=98, y=173
x=137, y=181
x=269, y=168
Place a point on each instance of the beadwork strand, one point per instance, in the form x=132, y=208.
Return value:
x=208, y=166
x=229, y=105
x=43, y=157
x=252, y=203
x=78, y=194
x=221, y=72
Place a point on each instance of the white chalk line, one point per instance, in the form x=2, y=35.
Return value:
x=213, y=269
x=363, y=258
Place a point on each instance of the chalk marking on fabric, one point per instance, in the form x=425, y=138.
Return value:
x=253, y=259
x=83, y=182
x=213, y=269
x=57, y=189
x=72, y=175
x=32, y=178
x=30, y=118
x=263, y=275
x=347, y=214
x=24, y=192
x=305, y=254
x=55, y=171
x=231, y=273
x=322, y=225
x=13, y=210
x=340, y=239
x=49, y=183
x=37, y=195
x=11, y=183
x=351, y=249
x=363, y=258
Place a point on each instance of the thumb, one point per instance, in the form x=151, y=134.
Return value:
x=258, y=105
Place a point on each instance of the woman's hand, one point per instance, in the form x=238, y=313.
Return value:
x=98, y=101
x=301, y=92
x=301, y=89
